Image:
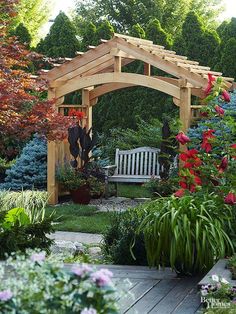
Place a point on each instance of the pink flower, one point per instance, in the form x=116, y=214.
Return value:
x=81, y=270
x=230, y=199
x=225, y=95
x=211, y=79
x=182, y=138
x=38, y=257
x=179, y=193
x=219, y=110
x=5, y=295
x=102, y=277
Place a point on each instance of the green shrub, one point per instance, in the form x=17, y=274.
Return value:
x=45, y=286
x=188, y=233
x=160, y=187
x=119, y=238
x=30, y=168
x=34, y=203
x=5, y=165
x=17, y=233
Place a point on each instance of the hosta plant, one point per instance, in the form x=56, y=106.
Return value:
x=45, y=286
x=188, y=233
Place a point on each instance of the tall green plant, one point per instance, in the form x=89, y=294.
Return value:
x=188, y=233
x=34, y=203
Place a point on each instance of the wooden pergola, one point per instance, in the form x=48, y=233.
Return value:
x=99, y=71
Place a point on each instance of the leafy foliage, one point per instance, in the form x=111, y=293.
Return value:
x=119, y=237
x=61, y=40
x=33, y=202
x=22, y=34
x=194, y=31
x=77, y=290
x=17, y=233
x=156, y=33
x=33, y=14
x=30, y=169
x=187, y=233
x=22, y=110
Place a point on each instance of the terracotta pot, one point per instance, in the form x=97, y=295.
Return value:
x=81, y=195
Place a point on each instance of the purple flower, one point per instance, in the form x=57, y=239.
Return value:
x=5, y=295
x=81, y=270
x=38, y=257
x=88, y=311
x=102, y=277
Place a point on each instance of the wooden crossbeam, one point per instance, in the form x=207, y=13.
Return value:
x=89, y=68
x=205, y=72
x=192, y=66
x=164, y=65
x=126, y=37
x=79, y=61
x=176, y=60
x=227, y=79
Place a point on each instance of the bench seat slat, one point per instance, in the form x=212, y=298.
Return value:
x=130, y=178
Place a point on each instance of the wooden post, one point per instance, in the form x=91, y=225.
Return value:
x=86, y=103
x=147, y=69
x=117, y=64
x=185, y=107
x=52, y=157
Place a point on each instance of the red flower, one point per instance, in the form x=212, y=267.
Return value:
x=190, y=158
x=225, y=95
x=233, y=146
x=230, y=199
x=182, y=138
x=204, y=114
x=206, y=144
x=219, y=110
x=179, y=193
x=76, y=113
x=210, y=84
x=223, y=165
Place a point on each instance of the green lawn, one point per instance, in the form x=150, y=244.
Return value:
x=79, y=218
x=133, y=191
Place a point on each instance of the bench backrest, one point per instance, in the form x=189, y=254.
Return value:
x=142, y=161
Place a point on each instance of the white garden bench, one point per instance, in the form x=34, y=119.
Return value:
x=134, y=166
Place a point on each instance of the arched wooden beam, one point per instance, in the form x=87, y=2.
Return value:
x=110, y=87
x=107, y=88
x=130, y=78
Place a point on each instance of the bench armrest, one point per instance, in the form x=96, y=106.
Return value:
x=109, y=167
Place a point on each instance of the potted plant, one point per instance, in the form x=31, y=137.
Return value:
x=75, y=181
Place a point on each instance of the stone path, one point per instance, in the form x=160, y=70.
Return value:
x=116, y=203
x=86, y=238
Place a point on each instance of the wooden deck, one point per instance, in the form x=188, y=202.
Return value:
x=152, y=291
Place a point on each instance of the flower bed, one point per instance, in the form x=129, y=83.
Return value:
x=45, y=286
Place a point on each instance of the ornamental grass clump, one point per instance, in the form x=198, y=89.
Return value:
x=189, y=233
x=45, y=286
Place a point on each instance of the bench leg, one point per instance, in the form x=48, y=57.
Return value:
x=106, y=184
x=116, y=184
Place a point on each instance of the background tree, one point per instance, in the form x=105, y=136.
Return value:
x=30, y=169
x=138, y=31
x=157, y=34
x=33, y=14
x=22, y=34
x=22, y=109
x=104, y=30
x=61, y=40
x=228, y=64
x=226, y=53
x=194, y=31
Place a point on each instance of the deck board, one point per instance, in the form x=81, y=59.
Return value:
x=144, y=290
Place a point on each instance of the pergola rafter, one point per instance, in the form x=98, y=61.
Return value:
x=99, y=71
